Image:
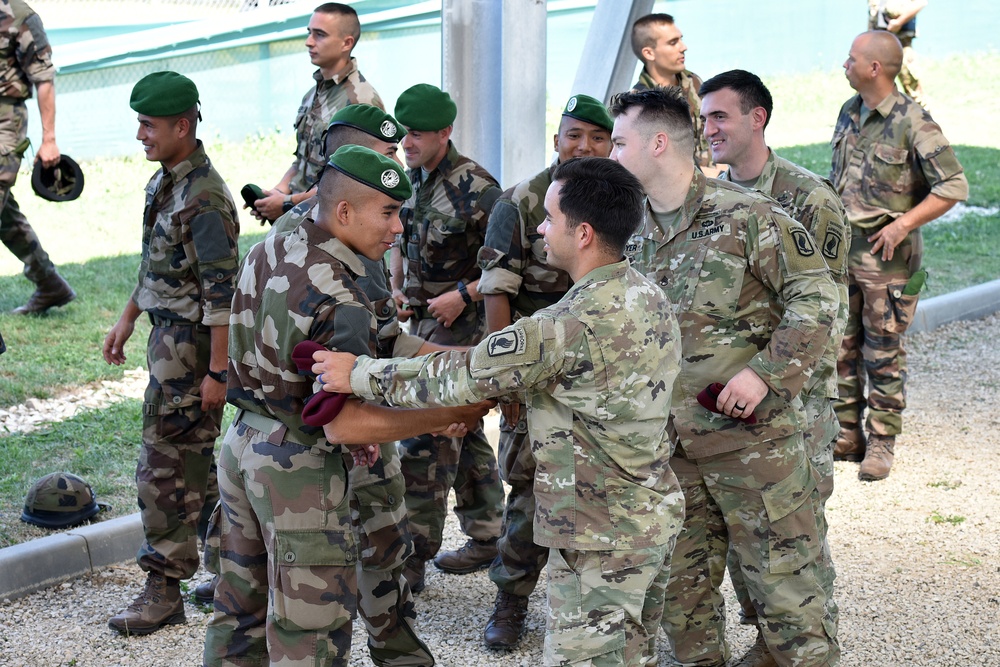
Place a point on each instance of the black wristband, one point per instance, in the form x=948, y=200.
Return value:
x=464, y=291
x=222, y=376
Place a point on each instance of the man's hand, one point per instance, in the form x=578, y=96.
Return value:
x=511, y=412
x=48, y=153
x=333, y=370
x=364, y=455
x=887, y=238
x=213, y=394
x=446, y=307
x=742, y=394
x=270, y=207
x=468, y=415
x=114, y=342
x=403, y=312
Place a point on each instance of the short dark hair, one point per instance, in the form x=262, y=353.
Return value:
x=346, y=135
x=665, y=109
x=752, y=91
x=352, y=25
x=642, y=36
x=603, y=193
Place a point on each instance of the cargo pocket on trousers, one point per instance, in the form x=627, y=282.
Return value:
x=902, y=308
x=315, y=580
x=793, y=541
x=383, y=532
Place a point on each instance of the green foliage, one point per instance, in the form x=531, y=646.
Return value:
x=938, y=518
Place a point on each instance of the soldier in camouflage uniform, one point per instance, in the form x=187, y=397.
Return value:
x=755, y=303
x=900, y=18
x=26, y=61
x=658, y=44
x=444, y=225
x=293, y=494
x=596, y=371
x=517, y=281
x=334, y=31
x=895, y=171
x=186, y=282
x=737, y=106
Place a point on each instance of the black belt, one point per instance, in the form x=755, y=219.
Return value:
x=161, y=321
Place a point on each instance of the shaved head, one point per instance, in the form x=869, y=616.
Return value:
x=883, y=47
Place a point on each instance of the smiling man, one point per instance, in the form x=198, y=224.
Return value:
x=334, y=31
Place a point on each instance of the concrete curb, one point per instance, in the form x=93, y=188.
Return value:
x=32, y=566
x=29, y=567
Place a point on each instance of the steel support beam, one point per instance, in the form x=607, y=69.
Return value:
x=608, y=64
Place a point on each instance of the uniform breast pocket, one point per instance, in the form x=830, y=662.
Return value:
x=166, y=250
x=890, y=180
x=446, y=239
x=714, y=284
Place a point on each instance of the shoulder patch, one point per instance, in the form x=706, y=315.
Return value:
x=798, y=248
x=520, y=344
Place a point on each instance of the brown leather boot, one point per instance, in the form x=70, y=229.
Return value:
x=414, y=570
x=159, y=604
x=878, y=458
x=50, y=293
x=204, y=593
x=758, y=655
x=473, y=555
x=850, y=445
x=505, y=626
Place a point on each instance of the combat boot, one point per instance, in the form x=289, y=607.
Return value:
x=471, y=556
x=414, y=570
x=506, y=625
x=758, y=655
x=850, y=444
x=878, y=458
x=50, y=293
x=204, y=593
x=159, y=604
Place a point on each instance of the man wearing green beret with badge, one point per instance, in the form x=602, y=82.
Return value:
x=288, y=588
x=186, y=282
x=444, y=225
x=517, y=280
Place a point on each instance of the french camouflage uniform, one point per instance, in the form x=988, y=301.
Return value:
x=313, y=118
x=186, y=281
x=444, y=224
x=881, y=170
x=25, y=60
x=308, y=540
x=513, y=263
x=879, y=13
x=811, y=201
x=690, y=83
x=596, y=370
x=750, y=289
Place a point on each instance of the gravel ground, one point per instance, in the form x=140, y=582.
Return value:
x=918, y=555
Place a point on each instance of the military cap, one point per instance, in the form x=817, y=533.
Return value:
x=163, y=94
x=60, y=500
x=425, y=108
x=369, y=119
x=63, y=181
x=373, y=169
x=589, y=110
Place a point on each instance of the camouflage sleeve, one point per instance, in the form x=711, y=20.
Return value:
x=939, y=164
x=503, y=255
x=524, y=354
x=824, y=216
x=783, y=256
x=343, y=326
x=34, y=54
x=214, y=254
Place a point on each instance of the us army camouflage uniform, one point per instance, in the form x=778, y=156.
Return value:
x=881, y=171
x=186, y=282
x=750, y=290
x=25, y=60
x=596, y=371
x=327, y=538
x=444, y=225
x=313, y=118
x=810, y=200
x=690, y=84
x=513, y=263
x=879, y=11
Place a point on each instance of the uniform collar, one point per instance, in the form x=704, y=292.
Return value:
x=601, y=274
x=197, y=158
x=350, y=68
x=316, y=236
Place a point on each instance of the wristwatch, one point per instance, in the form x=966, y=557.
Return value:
x=464, y=293
x=220, y=376
x=286, y=204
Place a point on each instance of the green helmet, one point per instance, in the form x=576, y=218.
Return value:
x=60, y=500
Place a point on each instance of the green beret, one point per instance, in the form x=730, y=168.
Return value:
x=425, y=108
x=589, y=110
x=163, y=94
x=369, y=119
x=373, y=169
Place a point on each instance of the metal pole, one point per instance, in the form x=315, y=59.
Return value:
x=607, y=63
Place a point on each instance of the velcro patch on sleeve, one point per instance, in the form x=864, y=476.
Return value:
x=798, y=248
x=519, y=344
